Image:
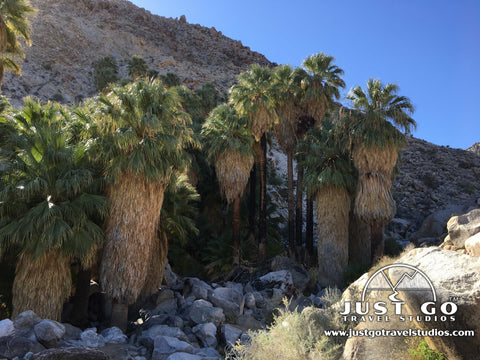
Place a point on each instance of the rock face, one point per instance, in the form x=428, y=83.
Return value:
x=461, y=233
x=455, y=278
x=69, y=36
x=433, y=178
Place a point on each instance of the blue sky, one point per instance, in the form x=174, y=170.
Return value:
x=430, y=48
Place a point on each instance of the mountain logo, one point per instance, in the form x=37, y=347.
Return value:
x=393, y=279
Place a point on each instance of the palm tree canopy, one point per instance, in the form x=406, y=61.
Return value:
x=324, y=160
x=144, y=130
x=48, y=199
x=225, y=131
x=252, y=97
x=378, y=114
x=14, y=25
x=320, y=80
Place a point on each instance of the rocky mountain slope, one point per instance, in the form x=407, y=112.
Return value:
x=69, y=36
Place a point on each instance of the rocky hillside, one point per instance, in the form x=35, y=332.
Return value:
x=69, y=36
x=475, y=148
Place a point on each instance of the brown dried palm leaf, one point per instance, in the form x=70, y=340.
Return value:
x=261, y=121
x=374, y=202
x=3, y=35
x=158, y=260
x=42, y=284
x=131, y=231
x=286, y=126
x=374, y=159
x=332, y=207
x=317, y=107
x=233, y=171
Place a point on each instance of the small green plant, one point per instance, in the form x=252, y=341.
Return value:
x=424, y=352
x=105, y=72
x=171, y=79
x=465, y=187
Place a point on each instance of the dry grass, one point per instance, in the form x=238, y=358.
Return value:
x=332, y=206
x=158, y=260
x=233, y=171
x=131, y=231
x=42, y=285
x=293, y=336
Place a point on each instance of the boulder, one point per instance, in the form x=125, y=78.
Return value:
x=230, y=334
x=197, y=288
x=250, y=302
x=184, y=356
x=6, y=327
x=461, y=227
x=90, y=338
x=49, y=332
x=171, y=279
x=229, y=299
x=434, y=225
x=472, y=245
x=71, y=332
x=166, y=345
x=282, y=279
x=300, y=276
x=209, y=353
x=26, y=320
x=207, y=334
x=164, y=330
x=114, y=335
x=15, y=345
x=166, y=303
x=71, y=354
x=164, y=319
x=200, y=313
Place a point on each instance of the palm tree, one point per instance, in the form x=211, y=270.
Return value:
x=375, y=140
x=252, y=98
x=14, y=26
x=329, y=178
x=144, y=134
x=177, y=222
x=285, y=90
x=228, y=142
x=49, y=208
x=321, y=81
x=137, y=67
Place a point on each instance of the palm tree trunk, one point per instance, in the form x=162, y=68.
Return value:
x=299, y=213
x=131, y=231
x=42, y=285
x=119, y=316
x=309, y=232
x=158, y=261
x=377, y=242
x=79, y=315
x=291, y=204
x=262, y=222
x=236, y=232
x=359, y=241
x=252, y=201
x=332, y=208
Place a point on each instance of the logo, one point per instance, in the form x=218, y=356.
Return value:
x=386, y=285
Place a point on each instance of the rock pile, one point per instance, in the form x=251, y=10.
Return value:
x=187, y=320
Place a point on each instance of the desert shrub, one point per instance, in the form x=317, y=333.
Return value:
x=105, y=72
x=430, y=180
x=294, y=336
x=466, y=187
x=424, y=352
x=171, y=79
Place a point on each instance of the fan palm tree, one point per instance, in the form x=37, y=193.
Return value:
x=252, y=98
x=49, y=208
x=285, y=91
x=177, y=222
x=14, y=26
x=228, y=141
x=375, y=140
x=320, y=80
x=329, y=178
x=144, y=136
